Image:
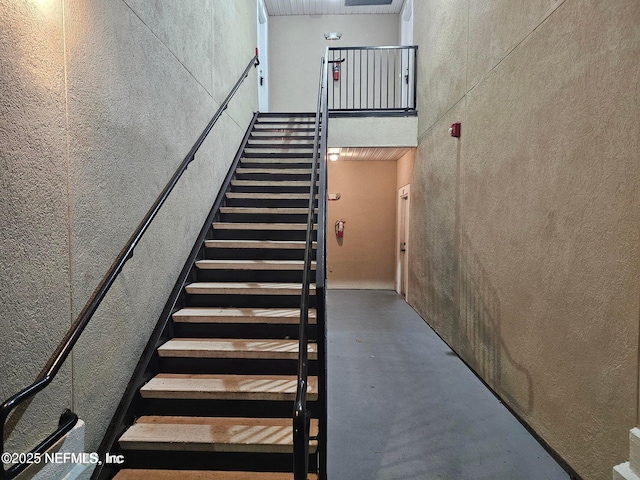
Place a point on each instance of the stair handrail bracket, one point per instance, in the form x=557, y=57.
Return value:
x=68, y=419
x=301, y=414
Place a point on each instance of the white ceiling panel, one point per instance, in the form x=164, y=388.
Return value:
x=369, y=154
x=326, y=7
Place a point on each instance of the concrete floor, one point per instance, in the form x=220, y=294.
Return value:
x=403, y=406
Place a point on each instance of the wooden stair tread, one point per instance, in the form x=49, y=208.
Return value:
x=306, y=137
x=306, y=130
x=147, y=474
x=304, y=160
x=287, y=141
x=213, y=434
x=242, y=288
x=261, y=226
x=241, y=315
x=271, y=183
x=274, y=171
x=290, y=123
x=268, y=196
x=282, y=137
x=267, y=210
x=267, y=244
x=252, y=264
x=278, y=147
x=277, y=155
x=226, y=387
x=233, y=348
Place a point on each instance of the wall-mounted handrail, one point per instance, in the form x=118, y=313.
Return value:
x=380, y=80
x=301, y=415
x=68, y=418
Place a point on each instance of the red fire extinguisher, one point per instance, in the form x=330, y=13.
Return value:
x=340, y=228
x=336, y=69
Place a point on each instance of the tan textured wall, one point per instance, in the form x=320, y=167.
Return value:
x=297, y=43
x=404, y=170
x=526, y=232
x=365, y=257
x=101, y=101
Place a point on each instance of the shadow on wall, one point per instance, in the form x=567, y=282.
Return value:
x=468, y=317
x=15, y=417
x=478, y=334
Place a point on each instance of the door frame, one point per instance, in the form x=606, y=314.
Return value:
x=263, y=52
x=402, y=236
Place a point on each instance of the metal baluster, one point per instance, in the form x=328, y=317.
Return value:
x=395, y=94
x=374, y=80
x=346, y=72
x=340, y=80
x=367, y=72
x=387, y=74
x=360, y=65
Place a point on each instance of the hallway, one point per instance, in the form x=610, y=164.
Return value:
x=402, y=406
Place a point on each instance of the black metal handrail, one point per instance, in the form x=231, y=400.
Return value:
x=373, y=79
x=69, y=419
x=301, y=415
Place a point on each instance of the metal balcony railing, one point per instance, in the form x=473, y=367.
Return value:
x=372, y=80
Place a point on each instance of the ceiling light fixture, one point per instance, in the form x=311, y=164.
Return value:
x=334, y=156
x=333, y=35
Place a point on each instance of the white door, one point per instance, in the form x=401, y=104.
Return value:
x=402, y=270
x=407, y=62
x=263, y=68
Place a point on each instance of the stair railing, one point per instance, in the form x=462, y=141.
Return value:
x=301, y=414
x=68, y=419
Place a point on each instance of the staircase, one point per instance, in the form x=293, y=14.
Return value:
x=219, y=402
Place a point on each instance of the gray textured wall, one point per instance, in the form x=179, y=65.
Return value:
x=100, y=101
x=297, y=43
x=525, y=233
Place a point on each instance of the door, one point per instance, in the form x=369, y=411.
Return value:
x=263, y=52
x=402, y=270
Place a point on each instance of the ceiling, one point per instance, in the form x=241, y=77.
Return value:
x=326, y=7
x=369, y=154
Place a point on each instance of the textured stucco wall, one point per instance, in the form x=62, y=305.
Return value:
x=297, y=43
x=102, y=102
x=35, y=302
x=364, y=257
x=404, y=170
x=373, y=132
x=525, y=232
